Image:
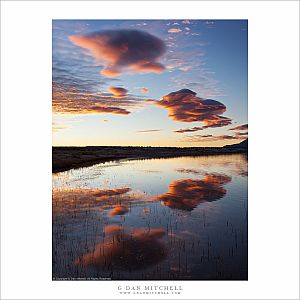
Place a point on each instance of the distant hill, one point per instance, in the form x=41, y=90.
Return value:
x=241, y=145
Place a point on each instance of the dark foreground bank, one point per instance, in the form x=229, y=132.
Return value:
x=66, y=158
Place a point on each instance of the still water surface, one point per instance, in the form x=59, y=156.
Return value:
x=179, y=218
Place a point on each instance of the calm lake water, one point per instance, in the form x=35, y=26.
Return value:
x=179, y=218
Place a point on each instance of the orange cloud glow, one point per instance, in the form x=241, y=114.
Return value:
x=240, y=127
x=149, y=67
x=117, y=91
x=110, y=72
x=118, y=210
x=123, y=48
x=110, y=110
x=148, y=234
x=71, y=98
x=187, y=194
x=174, y=30
x=212, y=138
x=112, y=229
x=110, y=253
x=185, y=106
x=111, y=192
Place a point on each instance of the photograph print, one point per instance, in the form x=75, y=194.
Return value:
x=150, y=149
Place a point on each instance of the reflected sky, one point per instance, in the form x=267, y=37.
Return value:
x=116, y=220
x=187, y=194
x=133, y=250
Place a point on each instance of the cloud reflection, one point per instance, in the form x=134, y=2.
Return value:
x=187, y=194
x=104, y=193
x=118, y=210
x=126, y=249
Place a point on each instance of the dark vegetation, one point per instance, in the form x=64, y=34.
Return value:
x=66, y=158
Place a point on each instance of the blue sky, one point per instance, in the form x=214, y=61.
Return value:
x=166, y=69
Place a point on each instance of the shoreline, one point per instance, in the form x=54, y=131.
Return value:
x=67, y=158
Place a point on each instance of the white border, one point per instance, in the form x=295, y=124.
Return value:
x=273, y=149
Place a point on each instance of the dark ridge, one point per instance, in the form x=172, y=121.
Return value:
x=241, y=145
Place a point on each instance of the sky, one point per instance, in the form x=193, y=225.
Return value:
x=176, y=83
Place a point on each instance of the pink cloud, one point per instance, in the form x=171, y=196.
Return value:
x=111, y=192
x=185, y=68
x=120, y=240
x=185, y=106
x=187, y=194
x=121, y=49
x=118, y=210
x=174, y=30
x=144, y=90
x=240, y=127
x=149, y=67
x=109, y=110
x=72, y=99
x=110, y=72
x=212, y=138
x=117, y=91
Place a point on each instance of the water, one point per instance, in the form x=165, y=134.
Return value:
x=179, y=218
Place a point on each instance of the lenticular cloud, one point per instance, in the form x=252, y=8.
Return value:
x=123, y=49
x=185, y=106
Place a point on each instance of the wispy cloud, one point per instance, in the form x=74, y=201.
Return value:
x=75, y=98
x=202, y=81
x=241, y=133
x=240, y=127
x=211, y=138
x=185, y=68
x=105, y=193
x=216, y=121
x=149, y=130
x=144, y=90
x=56, y=127
x=109, y=110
